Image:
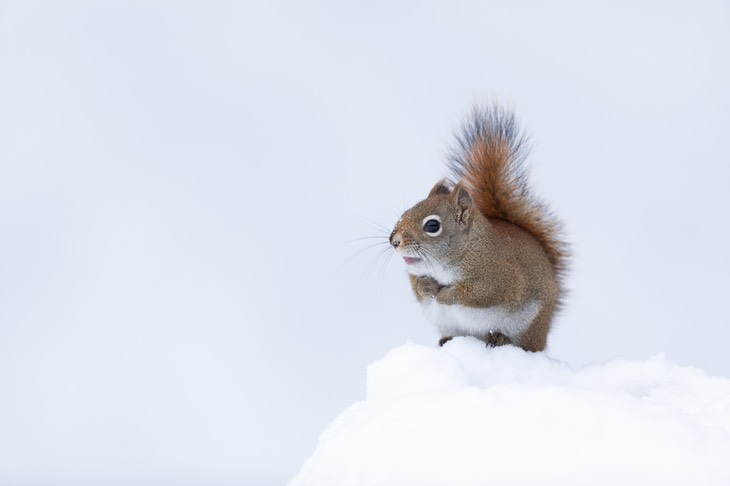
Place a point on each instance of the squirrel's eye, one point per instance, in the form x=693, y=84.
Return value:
x=432, y=225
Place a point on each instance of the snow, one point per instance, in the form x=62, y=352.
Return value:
x=467, y=415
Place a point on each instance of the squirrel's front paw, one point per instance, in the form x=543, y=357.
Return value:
x=427, y=287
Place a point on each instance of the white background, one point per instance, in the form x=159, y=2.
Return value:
x=179, y=182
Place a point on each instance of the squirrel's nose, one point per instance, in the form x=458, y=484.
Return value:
x=395, y=239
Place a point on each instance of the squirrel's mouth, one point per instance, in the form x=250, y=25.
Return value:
x=411, y=260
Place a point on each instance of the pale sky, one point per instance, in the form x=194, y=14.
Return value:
x=180, y=183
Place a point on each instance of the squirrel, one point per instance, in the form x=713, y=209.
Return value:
x=485, y=257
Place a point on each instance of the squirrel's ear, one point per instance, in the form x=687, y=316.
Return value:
x=442, y=187
x=463, y=202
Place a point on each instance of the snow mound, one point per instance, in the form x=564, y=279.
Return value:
x=467, y=415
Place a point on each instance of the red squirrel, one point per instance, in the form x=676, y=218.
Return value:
x=485, y=257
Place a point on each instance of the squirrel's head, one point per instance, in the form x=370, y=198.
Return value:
x=427, y=234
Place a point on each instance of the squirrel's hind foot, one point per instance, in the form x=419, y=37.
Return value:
x=494, y=339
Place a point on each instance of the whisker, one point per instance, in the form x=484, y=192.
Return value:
x=380, y=237
x=374, y=245
x=374, y=262
x=383, y=256
x=384, y=267
x=375, y=225
x=427, y=258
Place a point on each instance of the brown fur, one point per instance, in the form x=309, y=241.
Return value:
x=490, y=163
x=501, y=243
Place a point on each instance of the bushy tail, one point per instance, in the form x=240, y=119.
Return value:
x=489, y=160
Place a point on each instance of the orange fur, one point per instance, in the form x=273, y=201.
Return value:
x=489, y=162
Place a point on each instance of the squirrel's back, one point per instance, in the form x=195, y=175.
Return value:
x=488, y=159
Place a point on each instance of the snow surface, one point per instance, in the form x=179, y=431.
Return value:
x=464, y=415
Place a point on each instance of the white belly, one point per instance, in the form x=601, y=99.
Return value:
x=459, y=320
